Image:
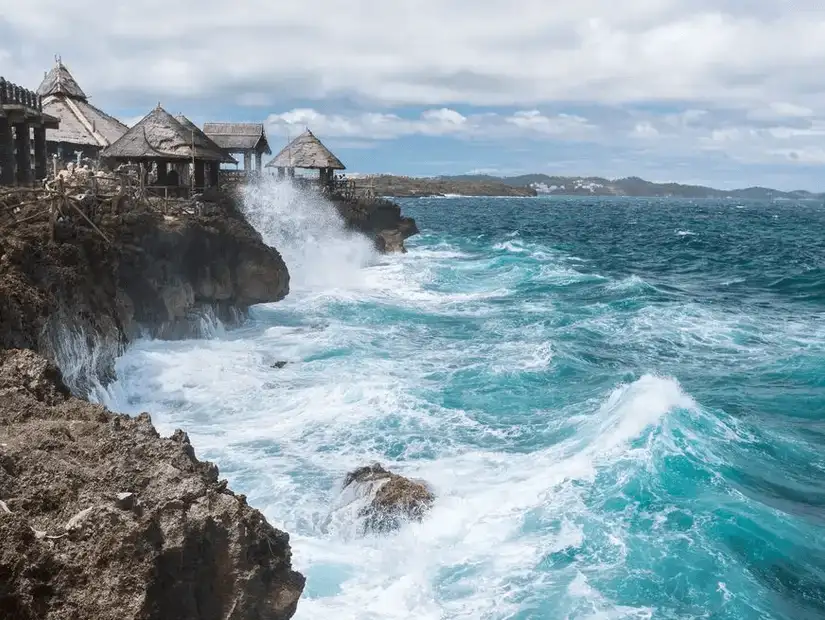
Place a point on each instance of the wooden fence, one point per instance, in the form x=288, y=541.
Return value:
x=12, y=94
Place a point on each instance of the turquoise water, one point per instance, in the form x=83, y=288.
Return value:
x=619, y=403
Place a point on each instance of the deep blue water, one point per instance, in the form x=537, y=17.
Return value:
x=620, y=404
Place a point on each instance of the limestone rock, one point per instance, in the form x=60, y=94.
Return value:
x=191, y=550
x=394, y=498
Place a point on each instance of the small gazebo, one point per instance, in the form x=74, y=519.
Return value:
x=247, y=139
x=161, y=140
x=307, y=152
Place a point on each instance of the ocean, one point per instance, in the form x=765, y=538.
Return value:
x=620, y=405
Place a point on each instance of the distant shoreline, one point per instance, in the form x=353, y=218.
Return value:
x=544, y=185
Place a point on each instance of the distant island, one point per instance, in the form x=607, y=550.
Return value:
x=542, y=184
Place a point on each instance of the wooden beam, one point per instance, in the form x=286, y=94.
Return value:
x=7, y=163
x=23, y=155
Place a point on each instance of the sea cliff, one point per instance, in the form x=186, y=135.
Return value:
x=100, y=516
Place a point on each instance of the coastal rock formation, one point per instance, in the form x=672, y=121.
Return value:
x=394, y=498
x=102, y=518
x=380, y=220
x=151, y=274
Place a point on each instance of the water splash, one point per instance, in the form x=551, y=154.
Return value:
x=309, y=233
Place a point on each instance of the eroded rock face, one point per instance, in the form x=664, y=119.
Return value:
x=156, y=274
x=381, y=220
x=395, y=499
x=107, y=520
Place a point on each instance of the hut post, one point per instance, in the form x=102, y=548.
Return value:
x=258, y=161
x=22, y=143
x=281, y=172
x=40, y=157
x=163, y=172
x=247, y=161
x=214, y=173
x=7, y=167
x=200, y=174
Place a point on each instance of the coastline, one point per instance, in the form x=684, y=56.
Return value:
x=144, y=508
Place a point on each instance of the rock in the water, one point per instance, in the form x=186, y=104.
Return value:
x=280, y=364
x=395, y=499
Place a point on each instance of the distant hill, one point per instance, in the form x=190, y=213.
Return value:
x=542, y=184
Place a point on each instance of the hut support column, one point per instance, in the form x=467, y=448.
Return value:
x=163, y=173
x=22, y=143
x=7, y=168
x=258, y=158
x=247, y=161
x=200, y=173
x=281, y=172
x=214, y=174
x=40, y=156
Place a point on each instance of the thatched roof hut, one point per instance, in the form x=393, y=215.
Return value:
x=160, y=136
x=307, y=152
x=172, y=148
x=191, y=127
x=248, y=139
x=239, y=137
x=83, y=127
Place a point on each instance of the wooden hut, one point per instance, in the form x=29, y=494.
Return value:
x=190, y=126
x=83, y=127
x=307, y=152
x=160, y=141
x=247, y=139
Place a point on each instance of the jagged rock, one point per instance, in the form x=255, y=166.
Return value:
x=155, y=275
x=394, y=498
x=194, y=550
x=380, y=220
x=280, y=364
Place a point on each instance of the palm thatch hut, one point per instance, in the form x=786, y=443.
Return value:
x=247, y=139
x=307, y=152
x=83, y=129
x=161, y=141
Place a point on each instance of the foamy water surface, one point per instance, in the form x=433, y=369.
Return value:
x=619, y=404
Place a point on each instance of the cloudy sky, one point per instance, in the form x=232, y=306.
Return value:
x=723, y=92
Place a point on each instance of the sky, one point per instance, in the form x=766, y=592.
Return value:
x=728, y=93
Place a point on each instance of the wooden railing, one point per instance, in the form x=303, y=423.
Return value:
x=12, y=94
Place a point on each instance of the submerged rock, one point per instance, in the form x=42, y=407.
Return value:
x=75, y=542
x=394, y=498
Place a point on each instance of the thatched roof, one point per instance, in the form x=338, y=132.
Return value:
x=82, y=123
x=59, y=81
x=238, y=137
x=159, y=135
x=306, y=151
x=190, y=126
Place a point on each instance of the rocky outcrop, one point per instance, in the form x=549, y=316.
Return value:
x=152, y=273
x=381, y=220
x=393, y=499
x=102, y=518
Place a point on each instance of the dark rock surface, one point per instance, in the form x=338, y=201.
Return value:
x=381, y=220
x=394, y=498
x=158, y=271
x=101, y=518
x=107, y=520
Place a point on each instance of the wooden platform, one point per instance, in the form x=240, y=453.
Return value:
x=23, y=127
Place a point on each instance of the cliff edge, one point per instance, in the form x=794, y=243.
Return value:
x=100, y=517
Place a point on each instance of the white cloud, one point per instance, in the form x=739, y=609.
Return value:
x=440, y=122
x=432, y=53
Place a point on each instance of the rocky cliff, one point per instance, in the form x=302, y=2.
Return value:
x=381, y=220
x=102, y=518
x=99, y=516
x=144, y=272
